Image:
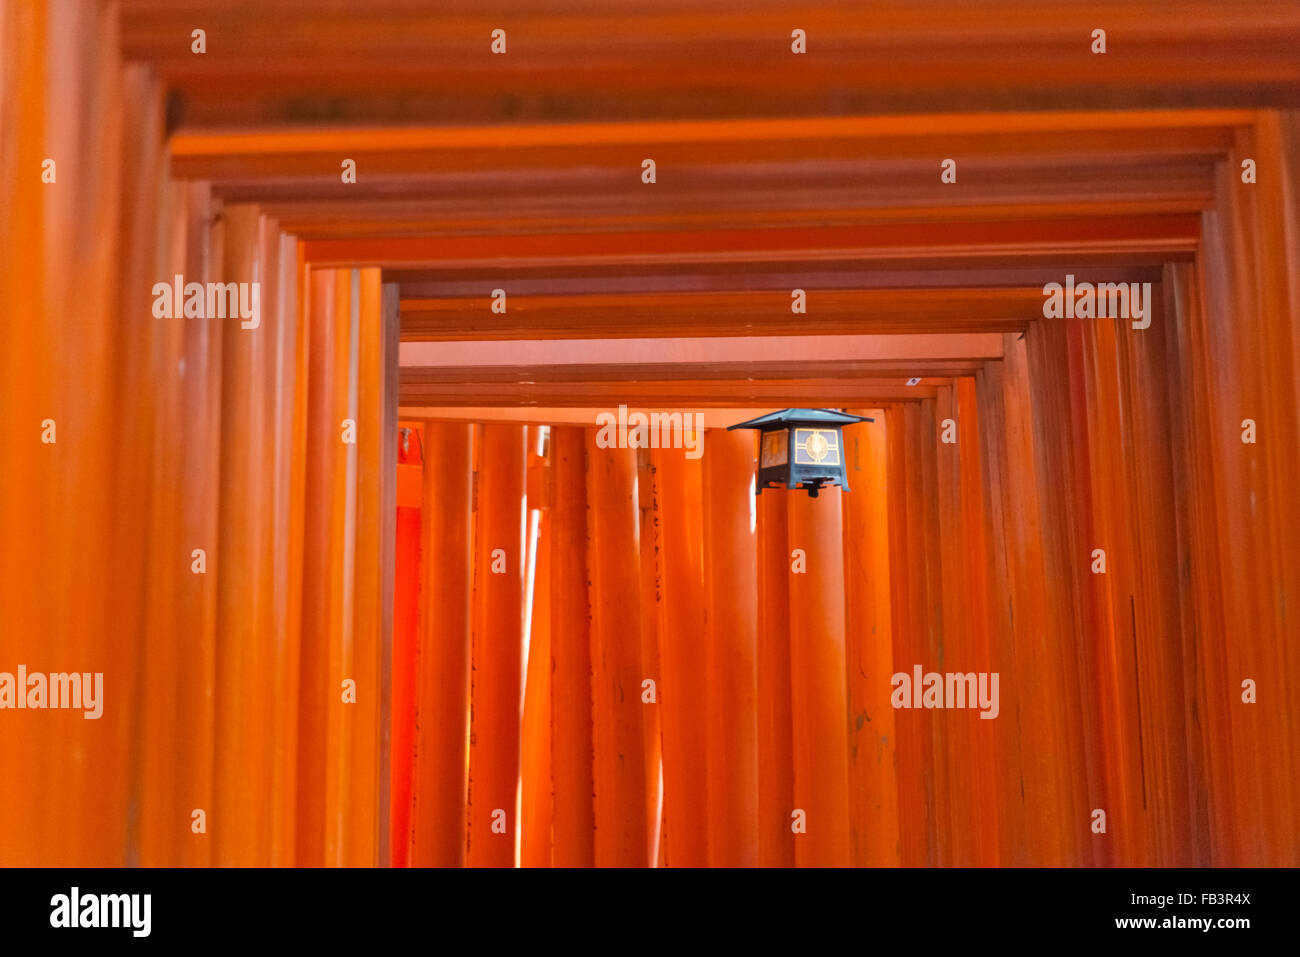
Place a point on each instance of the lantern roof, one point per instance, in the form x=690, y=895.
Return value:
x=784, y=417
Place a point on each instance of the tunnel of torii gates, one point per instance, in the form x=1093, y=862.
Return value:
x=365, y=583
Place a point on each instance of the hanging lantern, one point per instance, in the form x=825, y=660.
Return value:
x=801, y=448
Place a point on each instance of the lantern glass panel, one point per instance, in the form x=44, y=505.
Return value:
x=816, y=447
x=775, y=448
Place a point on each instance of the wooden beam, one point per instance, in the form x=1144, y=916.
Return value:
x=713, y=393
x=840, y=313
x=1121, y=237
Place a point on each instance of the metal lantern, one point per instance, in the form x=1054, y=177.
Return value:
x=801, y=448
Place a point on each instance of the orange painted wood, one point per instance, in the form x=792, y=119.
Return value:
x=80, y=529
x=161, y=796
x=970, y=767
x=616, y=658
x=90, y=523
x=997, y=400
x=1203, y=584
x=731, y=631
x=670, y=53
x=874, y=135
x=978, y=746
x=950, y=730
x=244, y=670
x=819, y=708
x=1172, y=234
x=340, y=581
x=1047, y=818
x=717, y=391
x=323, y=524
x=406, y=619
x=776, y=764
x=872, y=743
x=29, y=368
x=684, y=688
x=1115, y=520
x=284, y=323
x=736, y=312
x=1236, y=308
x=537, y=806
x=903, y=488
x=1066, y=780
x=296, y=304
x=445, y=612
x=497, y=664
x=406, y=658
x=178, y=778
x=572, y=762
x=367, y=653
x=650, y=542
x=200, y=529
